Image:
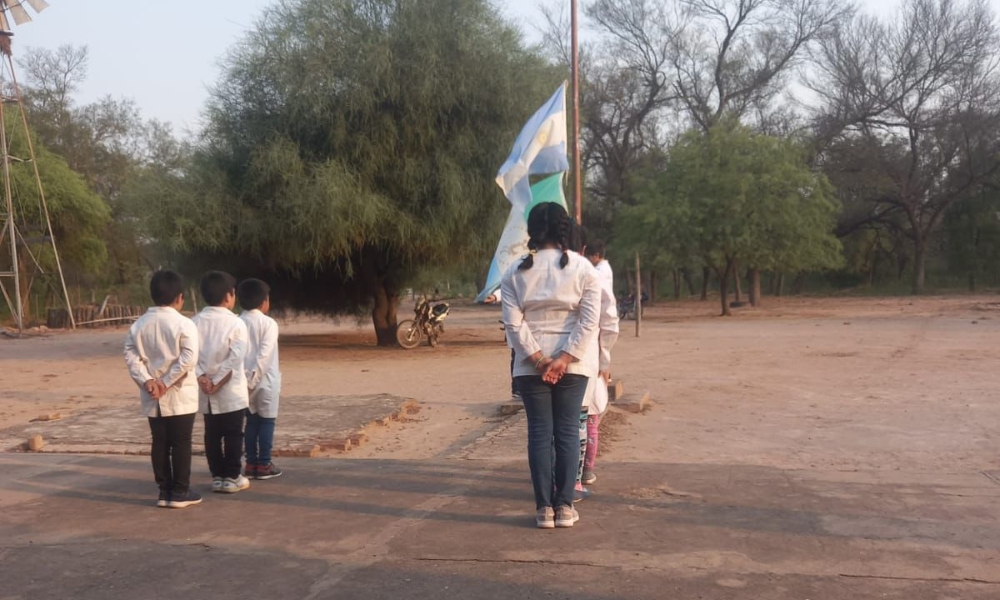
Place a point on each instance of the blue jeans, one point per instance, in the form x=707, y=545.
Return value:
x=553, y=424
x=260, y=438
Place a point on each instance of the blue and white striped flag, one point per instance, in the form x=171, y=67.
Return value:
x=539, y=149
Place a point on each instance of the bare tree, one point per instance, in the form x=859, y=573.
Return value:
x=919, y=97
x=732, y=56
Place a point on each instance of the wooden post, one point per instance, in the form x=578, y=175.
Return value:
x=575, y=67
x=638, y=297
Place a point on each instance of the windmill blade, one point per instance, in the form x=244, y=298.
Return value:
x=38, y=5
x=20, y=15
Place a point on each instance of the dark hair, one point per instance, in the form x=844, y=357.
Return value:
x=215, y=285
x=548, y=223
x=165, y=287
x=253, y=293
x=596, y=248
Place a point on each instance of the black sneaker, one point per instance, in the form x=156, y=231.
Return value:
x=188, y=498
x=164, y=499
x=268, y=471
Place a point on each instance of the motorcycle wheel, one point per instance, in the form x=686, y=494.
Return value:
x=408, y=334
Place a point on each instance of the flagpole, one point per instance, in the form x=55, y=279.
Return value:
x=577, y=179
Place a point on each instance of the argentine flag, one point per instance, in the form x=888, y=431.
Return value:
x=539, y=149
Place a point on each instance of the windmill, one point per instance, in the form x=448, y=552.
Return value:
x=17, y=254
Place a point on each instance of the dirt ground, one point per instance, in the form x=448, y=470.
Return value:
x=829, y=383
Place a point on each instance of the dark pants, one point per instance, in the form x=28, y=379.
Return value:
x=224, y=443
x=513, y=384
x=260, y=439
x=553, y=423
x=171, y=451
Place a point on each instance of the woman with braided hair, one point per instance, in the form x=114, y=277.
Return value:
x=551, y=311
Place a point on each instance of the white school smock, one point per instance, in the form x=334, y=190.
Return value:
x=553, y=309
x=163, y=344
x=596, y=400
x=261, y=365
x=223, y=342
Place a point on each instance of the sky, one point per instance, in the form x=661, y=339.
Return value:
x=165, y=55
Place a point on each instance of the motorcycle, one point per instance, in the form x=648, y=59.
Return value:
x=428, y=322
x=626, y=306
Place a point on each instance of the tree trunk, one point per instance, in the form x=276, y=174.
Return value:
x=736, y=282
x=799, y=283
x=779, y=287
x=705, y=272
x=724, y=276
x=384, y=315
x=754, y=276
x=972, y=281
x=378, y=277
x=772, y=283
x=919, y=254
x=686, y=275
x=654, y=288
x=677, y=284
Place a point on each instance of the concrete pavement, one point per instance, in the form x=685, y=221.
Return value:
x=85, y=527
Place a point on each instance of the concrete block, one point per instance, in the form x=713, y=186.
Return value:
x=343, y=445
x=511, y=408
x=359, y=439
x=634, y=403
x=48, y=417
x=616, y=390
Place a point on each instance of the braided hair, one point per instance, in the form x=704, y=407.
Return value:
x=548, y=223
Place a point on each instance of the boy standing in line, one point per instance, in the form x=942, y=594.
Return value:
x=263, y=378
x=161, y=351
x=224, y=398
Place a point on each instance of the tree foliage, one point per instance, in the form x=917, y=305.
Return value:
x=352, y=142
x=107, y=142
x=732, y=195
x=77, y=214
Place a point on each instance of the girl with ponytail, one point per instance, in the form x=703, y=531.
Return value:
x=551, y=311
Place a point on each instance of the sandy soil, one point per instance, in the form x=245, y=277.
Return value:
x=832, y=383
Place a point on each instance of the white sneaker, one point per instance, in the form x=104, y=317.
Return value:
x=231, y=486
x=216, y=484
x=566, y=516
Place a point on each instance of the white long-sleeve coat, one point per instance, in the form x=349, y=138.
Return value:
x=553, y=309
x=163, y=345
x=261, y=365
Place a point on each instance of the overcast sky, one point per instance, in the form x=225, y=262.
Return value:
x=165, y=55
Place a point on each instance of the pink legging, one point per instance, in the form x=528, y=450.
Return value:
x=593, y=424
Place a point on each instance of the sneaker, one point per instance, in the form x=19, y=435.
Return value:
x=164, y=499
x=589, y=477
x=566, y=516
x=580, y=493
x=268, y=471
x=250, y=470
x=184, y=500
x=545, y=518
x=231, y=486
x=216, y=484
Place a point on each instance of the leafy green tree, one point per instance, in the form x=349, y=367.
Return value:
x=972, y=234
x=77, y=214
x=351, y=143
x=107, y=142
x=733, y=196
